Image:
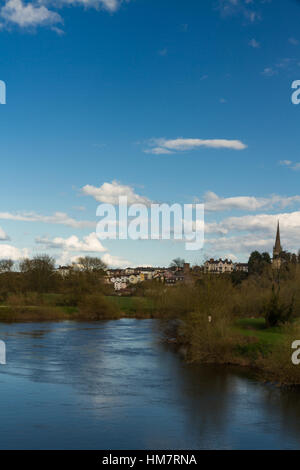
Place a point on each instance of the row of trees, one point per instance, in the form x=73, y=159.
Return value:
x=40, y=275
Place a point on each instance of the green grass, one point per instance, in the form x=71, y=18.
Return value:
x=132, y=306
x=261, y=340
x=255, y=327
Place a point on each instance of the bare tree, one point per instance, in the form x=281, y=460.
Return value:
x=91, y=264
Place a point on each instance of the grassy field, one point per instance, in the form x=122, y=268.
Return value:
x=260, y=339
x=139, y=307
x=256, y=327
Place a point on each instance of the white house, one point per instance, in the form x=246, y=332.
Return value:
x=218, y=266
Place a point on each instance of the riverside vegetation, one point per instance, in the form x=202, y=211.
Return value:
x=243, y=319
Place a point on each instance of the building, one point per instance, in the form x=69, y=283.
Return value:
x=218, y=266
x=277, y=250
x=64, y=270
x=172, y=278
x=241, y=267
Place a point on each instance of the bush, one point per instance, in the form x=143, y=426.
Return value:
x=208, y=341
x=276, y=312
x=97, y=307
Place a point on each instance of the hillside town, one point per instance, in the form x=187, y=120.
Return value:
x=124, y=280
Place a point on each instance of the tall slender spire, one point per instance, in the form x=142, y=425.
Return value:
x=277, y=248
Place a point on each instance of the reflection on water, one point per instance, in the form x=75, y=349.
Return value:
x=112, y=385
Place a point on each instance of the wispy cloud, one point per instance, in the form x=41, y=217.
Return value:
x=214, y=203
x=248, y=9
x=294, y=41
x=164, y=146
x=60, y=218
x=253, y=43
x=292, y=165
x=269, y=72
x=288, y=64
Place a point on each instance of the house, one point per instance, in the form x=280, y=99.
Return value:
x=135, y=279
x=218, y=266
x=241, y=267
x=120, y=283
x=171, y=278
x=129, y=271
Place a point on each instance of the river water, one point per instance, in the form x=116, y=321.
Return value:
x=113, y=385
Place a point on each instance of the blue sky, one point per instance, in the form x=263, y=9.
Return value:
x=94, y=88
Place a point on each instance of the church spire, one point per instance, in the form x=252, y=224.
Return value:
x=277, y=248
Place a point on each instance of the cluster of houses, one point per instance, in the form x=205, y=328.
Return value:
x=129, y=277
x=123, y=279
x=126, y=279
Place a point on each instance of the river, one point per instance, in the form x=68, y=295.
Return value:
x=113, y=385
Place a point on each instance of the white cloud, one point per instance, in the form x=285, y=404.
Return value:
x=110, y=5
x=164, y=146
x=66, y=258
x=242, y=235
x=214, y=203
x=89, y=243
x=115, y=261
x=237, y=245
x=37, y=13
x=11, y=252
x=28, y=14
x=289, y=222
x=109, y=193
x=57, y=218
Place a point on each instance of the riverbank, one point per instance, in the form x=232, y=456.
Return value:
x=111, y=308
x=247, y=343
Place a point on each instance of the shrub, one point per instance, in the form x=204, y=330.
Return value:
x=98, y=307
x=276, y=312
